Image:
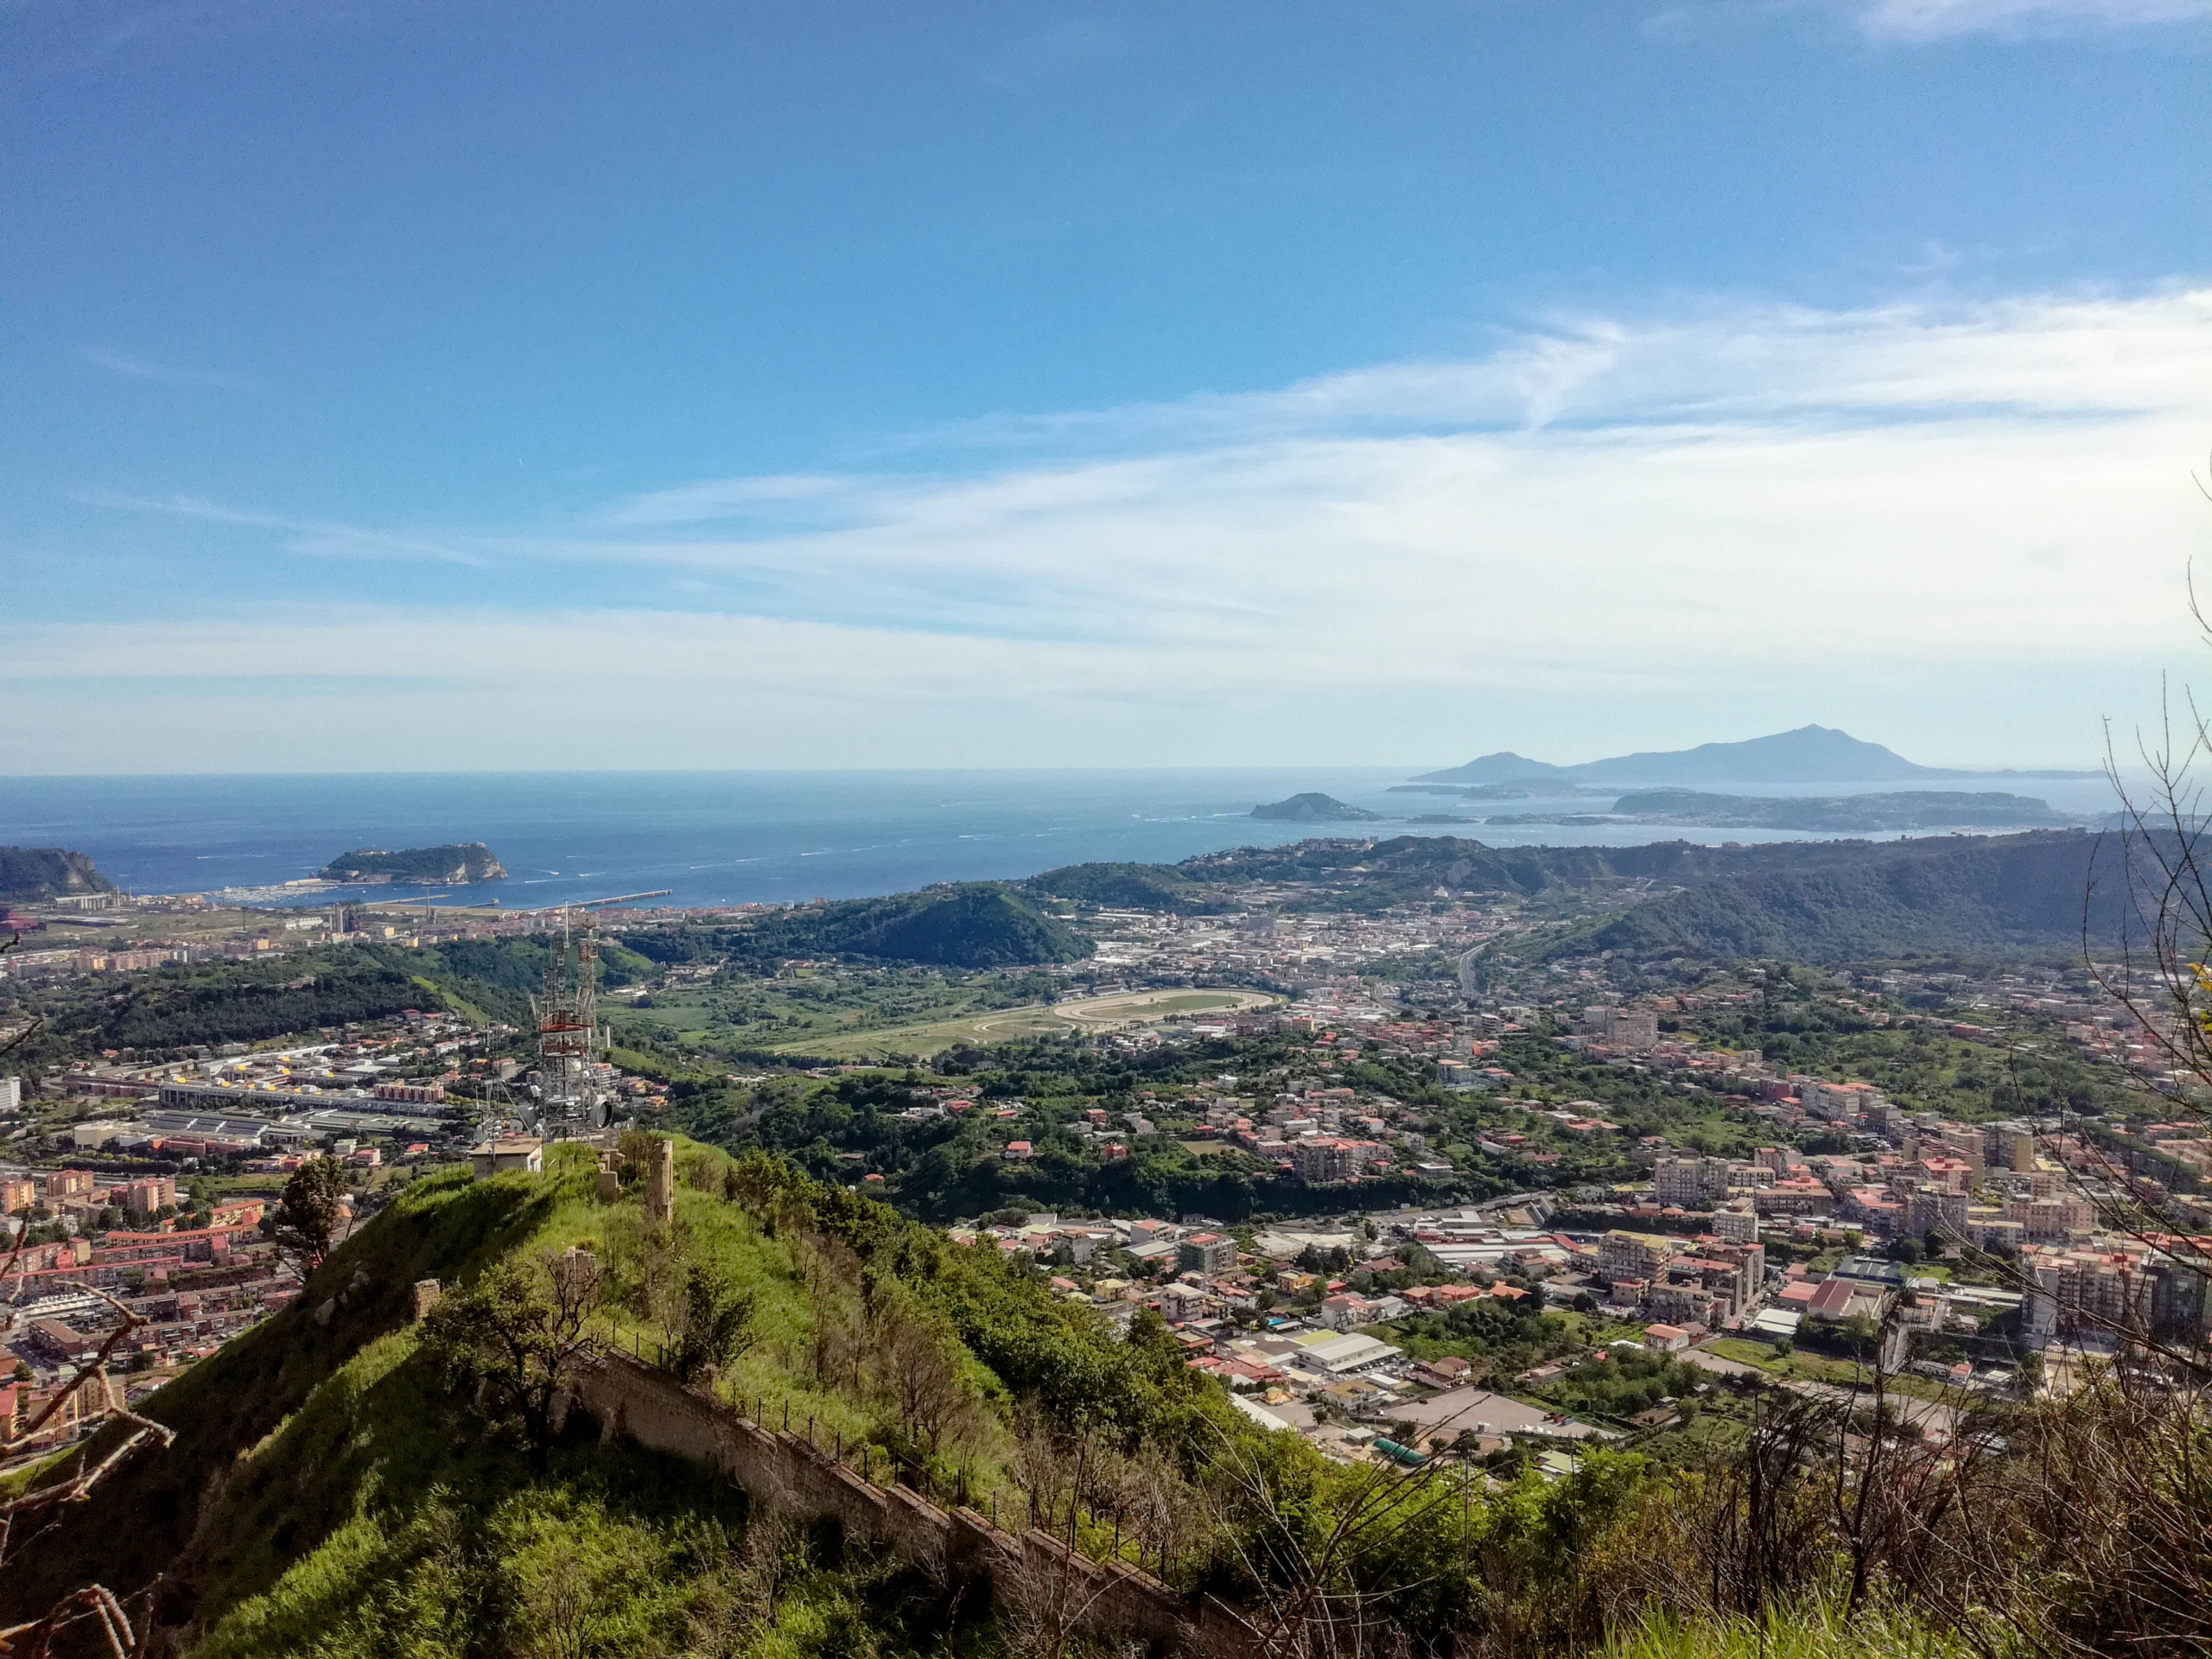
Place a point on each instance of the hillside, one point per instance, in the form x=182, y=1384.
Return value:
x=1126, y=887
x=1811, y=755
x=456, y=864
x=334, y=1489
x=249, y=1001
x=1822, y=900
x=968, y=924
x=1944, y=896
x=29, y=874
x=791, y=1425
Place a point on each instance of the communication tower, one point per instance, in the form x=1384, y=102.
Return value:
x=568, y=1093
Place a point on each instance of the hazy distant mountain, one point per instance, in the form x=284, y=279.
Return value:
x=1871, y=813
x=1811, y=755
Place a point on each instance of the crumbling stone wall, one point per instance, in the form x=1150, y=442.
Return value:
x=1026, y=1572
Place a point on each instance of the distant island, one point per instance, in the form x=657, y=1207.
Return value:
x=29, y=874
x=1831, y=814
x=453, y=865
x=1315, y=808
x=1811, y=755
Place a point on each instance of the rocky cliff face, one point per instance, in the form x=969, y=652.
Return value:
x=30, y=874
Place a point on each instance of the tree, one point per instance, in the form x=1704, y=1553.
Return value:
x=305, y=1224
x=715, y=1324
x=508, y=1340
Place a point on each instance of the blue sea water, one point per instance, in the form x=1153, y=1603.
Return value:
x=734, y=837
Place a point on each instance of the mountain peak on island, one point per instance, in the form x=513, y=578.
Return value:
x=1811, y=755
x=1313, y=807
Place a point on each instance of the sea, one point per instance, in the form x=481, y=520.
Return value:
x=738, y=837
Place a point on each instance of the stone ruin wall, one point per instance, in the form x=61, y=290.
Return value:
x=1029, y=1570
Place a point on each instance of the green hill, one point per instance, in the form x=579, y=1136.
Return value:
x=1945, y=895
x=1128, y=887
x=456, y=864
x=969, y=925
x=330, y=1491
x=29, y=874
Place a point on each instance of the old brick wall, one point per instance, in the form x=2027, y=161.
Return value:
x=1026, y=1571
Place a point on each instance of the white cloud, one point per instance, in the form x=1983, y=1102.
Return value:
x=132, y=366
x=1929, y=20
x=1966, y=525
x=1924, y=22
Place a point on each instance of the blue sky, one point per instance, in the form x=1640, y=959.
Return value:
x=483, y=384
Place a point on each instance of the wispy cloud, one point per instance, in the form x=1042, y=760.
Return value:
x=132, y=366
x=1932, y=20
x=317, y=538
x=1967, y=516
x=1924, y=22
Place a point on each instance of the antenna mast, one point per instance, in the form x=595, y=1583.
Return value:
x=569, y=1092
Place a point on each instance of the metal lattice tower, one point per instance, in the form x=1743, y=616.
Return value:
x=567, y=1095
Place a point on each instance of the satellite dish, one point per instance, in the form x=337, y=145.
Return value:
x=602, y=1112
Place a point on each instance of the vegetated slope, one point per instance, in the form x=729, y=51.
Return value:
x=497, y=975
x=967, y=924
x=221, y=1002
x=327, y=1493
x=1128, y=887
x=136, y=1522
x=458, y=861
x=30, y=874
x=1823, y=899
x=208, y=1004
x=1999, y=894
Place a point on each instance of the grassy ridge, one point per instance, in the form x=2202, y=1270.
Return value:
x=323, y=1494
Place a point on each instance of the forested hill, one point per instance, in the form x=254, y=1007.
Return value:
x=1128, y=887
x=1942, y=895
x=30, y=874
x=1817, y=901
x=967, y=924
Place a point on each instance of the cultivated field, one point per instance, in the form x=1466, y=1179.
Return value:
x=1097, y=1014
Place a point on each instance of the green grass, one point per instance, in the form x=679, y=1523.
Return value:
x=805, y=1010
x=1811, y=1368
x=1820, y=1630
x=345, y=1505
x=1011, y=1025
x=433, y=1543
